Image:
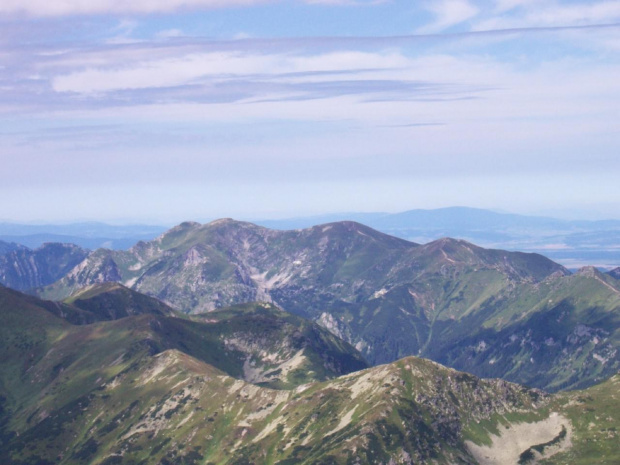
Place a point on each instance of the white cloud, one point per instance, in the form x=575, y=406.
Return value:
x=169, y=72
x=170, y=34
x=585, y=13
x=78, y=7
x=346, y=2
x=550, y=14
x=448, y=13
x=86, y=7
x=507, y=5
x=539, y=118
x=123, y=32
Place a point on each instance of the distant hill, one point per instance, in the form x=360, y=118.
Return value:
x=572, y=243
x=34, y=241
x=90, y=235
x=85, y=229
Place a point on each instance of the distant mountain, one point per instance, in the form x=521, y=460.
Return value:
x=90, y=235
x=494, y=313
x=6, y=247
x=118, y=392
x=615, y=273
x=85, y=229
x=448, y=219
x=25, y=269
x=197, y=268
x=573, y=243
x=34, y=241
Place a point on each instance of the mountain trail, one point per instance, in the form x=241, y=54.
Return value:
x=613, y=289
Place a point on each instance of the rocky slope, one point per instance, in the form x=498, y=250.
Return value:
x=255, y=341
x=6, y=247
x=198, y=268
x=24, y=269
x=494, y=313
x=112, y=393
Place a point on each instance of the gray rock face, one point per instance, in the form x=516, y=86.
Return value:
x=24, y=269
x=388, y=297
x=6, y=247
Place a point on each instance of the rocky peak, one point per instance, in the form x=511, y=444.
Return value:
x=615, y=273
x=588, y=271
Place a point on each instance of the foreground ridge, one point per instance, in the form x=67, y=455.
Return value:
x=119, y=392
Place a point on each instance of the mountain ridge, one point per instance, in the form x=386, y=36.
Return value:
x=386, y=296
x=448, y=300
x=25, y=269
x=116, y=392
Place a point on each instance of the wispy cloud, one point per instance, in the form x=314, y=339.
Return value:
x=487, y=90
x=95, y=7
x=89, y=7
x=346, y=2
x=218, y=66
x=545, y=13
x=448, y=13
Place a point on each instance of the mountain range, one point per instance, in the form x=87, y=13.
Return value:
x=89, y=235
x=157, y=387
x=493, y=313
x=574, y=243
x=232, y=343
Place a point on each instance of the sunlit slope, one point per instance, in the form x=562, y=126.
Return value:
x=128, y=391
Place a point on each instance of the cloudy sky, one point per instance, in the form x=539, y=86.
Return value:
x=167, y=110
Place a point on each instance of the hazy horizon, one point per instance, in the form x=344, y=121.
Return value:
x=206, y=219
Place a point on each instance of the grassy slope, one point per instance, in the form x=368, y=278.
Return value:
x=112, y=301
x=595, y=417
x=86, y=394
x=559, y=334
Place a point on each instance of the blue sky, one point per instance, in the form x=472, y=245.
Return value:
x=164, y=111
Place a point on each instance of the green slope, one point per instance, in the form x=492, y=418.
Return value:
x=112, y=301
x=127, y=392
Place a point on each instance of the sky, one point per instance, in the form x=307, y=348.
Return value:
x=165, y=111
